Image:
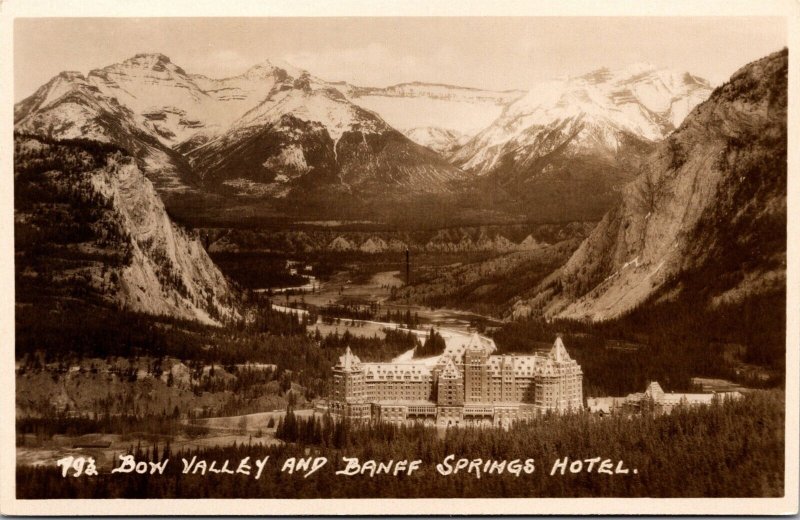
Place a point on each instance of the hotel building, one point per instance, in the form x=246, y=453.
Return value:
x=466, y=384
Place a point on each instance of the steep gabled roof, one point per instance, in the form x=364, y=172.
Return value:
x=349, y=361
x=559, y=352
x=455, y=349
x=654, y=391
x=450, y=370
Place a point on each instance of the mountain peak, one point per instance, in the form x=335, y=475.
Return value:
x=152, y=56
x=153, y=61
x=71, y=75
x=271, y=66
x=600, y=75
x=607, y=74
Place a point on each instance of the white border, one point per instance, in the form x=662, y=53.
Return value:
x=10, y=9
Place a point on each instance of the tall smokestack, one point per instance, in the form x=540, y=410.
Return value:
x=408, y=268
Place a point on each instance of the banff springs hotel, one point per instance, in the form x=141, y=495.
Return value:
x=466, y=384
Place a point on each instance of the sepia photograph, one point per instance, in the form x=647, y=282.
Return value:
x=397, y=259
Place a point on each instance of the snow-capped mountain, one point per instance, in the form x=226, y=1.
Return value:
x=590, y=112
x=565, y=149
x=560, y=151
x=703, y=224
x=161, y=98
x=441, y=109
x=304, y=134
x=143, y=105
x=301, y=126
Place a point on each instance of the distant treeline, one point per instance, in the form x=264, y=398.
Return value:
x=98, y=331
x=730, y=449
x=255, y=270
x=487, y=287
x=661, y=347
x=96, y=148
x=60, y=423
x=347, y=311
x=52, y=334
x=45, y=334
x=336, y=312
x=393, y=344
x=758, y=323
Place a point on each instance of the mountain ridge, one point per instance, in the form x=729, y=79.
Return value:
x=644, y=102
x=151, y=97
x=711, y=195
x=275, y=137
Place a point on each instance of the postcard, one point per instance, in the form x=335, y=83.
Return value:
x=305, y=258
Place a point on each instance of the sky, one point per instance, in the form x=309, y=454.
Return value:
x=493, y=53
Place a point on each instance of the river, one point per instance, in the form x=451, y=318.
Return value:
x=378, y=289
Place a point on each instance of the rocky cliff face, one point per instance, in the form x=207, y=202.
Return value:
x=89, y=225
x=707, y=211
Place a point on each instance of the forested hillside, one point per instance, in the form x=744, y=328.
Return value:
x=90, y=227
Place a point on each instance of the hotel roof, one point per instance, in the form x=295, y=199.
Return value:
x=348, y=361
x=456, y=349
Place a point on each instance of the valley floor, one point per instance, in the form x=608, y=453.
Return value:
x=256, y=429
